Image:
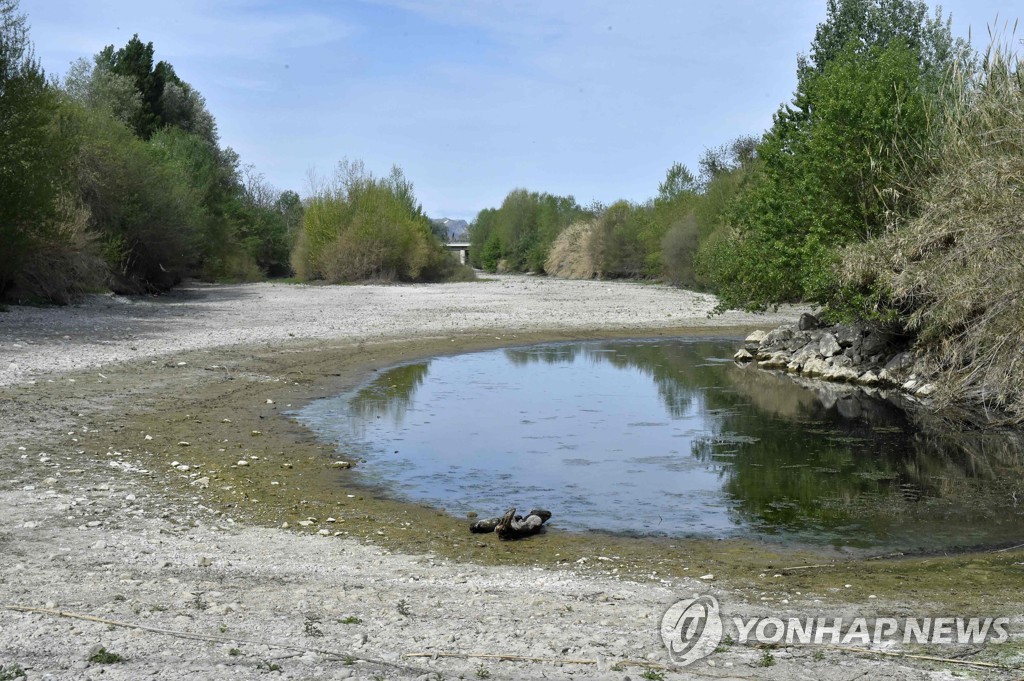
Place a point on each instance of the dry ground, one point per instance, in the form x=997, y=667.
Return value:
x=100, y=519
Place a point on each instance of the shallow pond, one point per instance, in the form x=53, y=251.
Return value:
x=672, y=438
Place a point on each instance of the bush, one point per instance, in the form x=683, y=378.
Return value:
x=617, y=246
x=33, y=155
x=845, y=158
x=362, y=227
x=570, y=255
x=954, y=275
x=678, y=251
x=521, y=232
x=61, y=268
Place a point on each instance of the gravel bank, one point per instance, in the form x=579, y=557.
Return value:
x=209, y=596
x=106, y=329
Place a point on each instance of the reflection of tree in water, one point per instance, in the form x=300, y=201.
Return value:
x=677, y=369
x=834, y=456
x=389, y=393
x=793, y=458
x=831, y=457
x=544, y=354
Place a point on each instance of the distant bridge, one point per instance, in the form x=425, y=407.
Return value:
x=460, y=247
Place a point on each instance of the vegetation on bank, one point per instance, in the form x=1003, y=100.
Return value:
x=890, y=189
x=116, y=179
x=358, y=227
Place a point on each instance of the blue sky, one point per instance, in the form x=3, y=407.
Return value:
x=472, y=98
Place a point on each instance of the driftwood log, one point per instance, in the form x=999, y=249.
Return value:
x=512, y=526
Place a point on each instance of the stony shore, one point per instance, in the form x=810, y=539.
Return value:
x=188, y=574
x=845, y=353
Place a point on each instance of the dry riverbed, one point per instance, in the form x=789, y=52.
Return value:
x=123, y=423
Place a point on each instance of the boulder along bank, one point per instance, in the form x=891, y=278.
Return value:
x=857, y=354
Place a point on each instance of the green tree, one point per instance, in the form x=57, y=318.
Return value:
x=33, y=153
x=165, y=99
x=360, y=227
x=678, y=180
x=843, y=159
x=523, y=229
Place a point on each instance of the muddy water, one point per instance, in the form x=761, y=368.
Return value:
x=671, y=438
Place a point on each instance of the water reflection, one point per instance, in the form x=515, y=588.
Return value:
x=669, y=438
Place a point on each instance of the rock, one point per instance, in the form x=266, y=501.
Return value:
x=341, y=464
x=707, y=577
x=205, y=562
x=842, y=361
x=840, y=374
x=848, y=335
x=868, y=378
x=778, y=360
x=900, y=362
x=876, y=342
x=815, y=366
x=829, y=346
x=755, y=338
x=808, y=322
x=201, y=483
x=925, y=390
x=779, y=335
x=743, y=355
x=242, y=462
x=798, y=340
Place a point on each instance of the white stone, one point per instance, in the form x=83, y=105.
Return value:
x=755, y=337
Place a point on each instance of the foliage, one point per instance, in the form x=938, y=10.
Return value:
x=570, y=254
x=843, y=160
x=618, y=247
x=103, y=656
x=518, y=235
x=32, y=153
x=208, y=177
x=164, y=99
x=361, y=227
x=12, y=672
x=140, y=211
x=954, y=274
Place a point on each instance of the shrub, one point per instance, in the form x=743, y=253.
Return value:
x=678, y=250
x=362, y=227
x=570, y=255
x=521, y=232
x=954, y=275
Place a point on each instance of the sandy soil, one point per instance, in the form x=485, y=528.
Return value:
x=184, y=576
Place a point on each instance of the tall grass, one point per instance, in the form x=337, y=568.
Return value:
x=955, y=273
x=569, y=256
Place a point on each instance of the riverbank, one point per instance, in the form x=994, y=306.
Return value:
x=128, y=502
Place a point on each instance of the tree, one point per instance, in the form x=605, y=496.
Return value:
x=32, y=152
x=841, y=160
x=165, y=99
x=678, y=180
x=358, y=226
